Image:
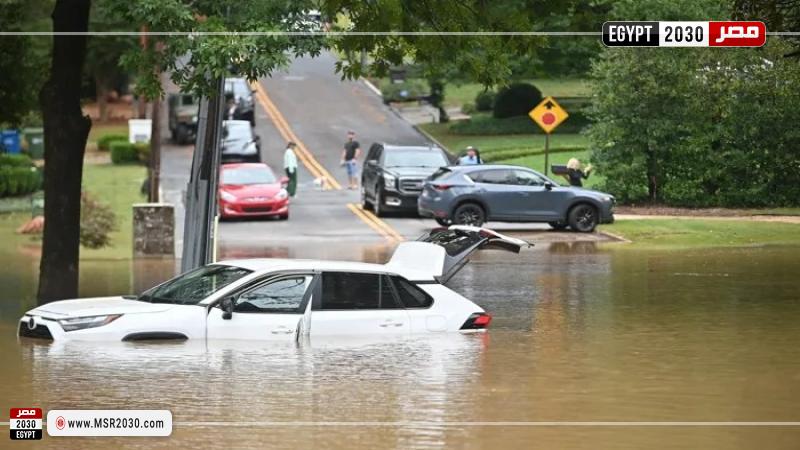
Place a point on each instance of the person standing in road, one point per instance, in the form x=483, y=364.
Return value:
x=576, y=173
x=471, y=158
x=350, y=155
x=290, y=166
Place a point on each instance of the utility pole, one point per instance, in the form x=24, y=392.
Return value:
x=201, y=192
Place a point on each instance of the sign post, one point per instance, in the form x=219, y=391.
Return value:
x=548, y=115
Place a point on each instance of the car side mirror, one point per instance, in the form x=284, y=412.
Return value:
x=548, y=185
x=284, y=181
x=226, y=304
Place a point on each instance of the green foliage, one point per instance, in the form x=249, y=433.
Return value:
x=483, y=124
x=142, y=151
x=484, y=101
x=104, y=142
x=98, y=221
x=19, y=180
x=15, y=160
x=516, y=100
x=515, y=153
x=695, y=127
x=411, y=89
x=123, y=152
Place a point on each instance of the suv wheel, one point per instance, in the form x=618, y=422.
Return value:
x=378, y=203
x=181, y=134
x=558, y=225
x=365, y=204
x=443, y=222
x=469, y=214
x=583, y=218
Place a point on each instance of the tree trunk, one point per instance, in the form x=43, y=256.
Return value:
x=101, y=92
x=66, y=130
x=154, y=165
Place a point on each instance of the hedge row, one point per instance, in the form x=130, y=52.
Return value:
x=19, y=180
x=482, y=124
x=105, y=141
x=15, y=160
x=123, y=152
x=513, y=153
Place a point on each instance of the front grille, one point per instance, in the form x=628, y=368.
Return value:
x=411, y=185
x=256, y=209
x=39, y=332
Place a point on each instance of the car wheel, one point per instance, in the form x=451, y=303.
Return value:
x=365, y=204
x=583, y=218
x=558, y=225
x=442, y=222
x=377, y=205
x=181, y=134
x=469, y=214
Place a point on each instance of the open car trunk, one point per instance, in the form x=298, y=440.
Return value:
x=444, y=251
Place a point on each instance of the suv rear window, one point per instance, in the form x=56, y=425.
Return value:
x=495, y=176
x=410, y=295
x=441, y=173
x=348, y=291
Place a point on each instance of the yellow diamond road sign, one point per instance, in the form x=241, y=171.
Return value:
x=548, y=114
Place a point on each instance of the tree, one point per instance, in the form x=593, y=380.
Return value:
x=779, y=15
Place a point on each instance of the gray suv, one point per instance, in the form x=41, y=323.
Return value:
x=472, y=195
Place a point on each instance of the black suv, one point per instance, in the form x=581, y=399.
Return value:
x=393, y=175
x=239, y=90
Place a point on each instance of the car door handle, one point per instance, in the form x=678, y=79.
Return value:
x=282, y=330
x=390, y=323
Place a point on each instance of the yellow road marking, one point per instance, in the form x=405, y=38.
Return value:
x=376, y=223
x=306, y=157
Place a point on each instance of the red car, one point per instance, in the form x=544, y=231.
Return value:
x=251, y=189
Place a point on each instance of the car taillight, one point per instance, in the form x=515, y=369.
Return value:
x=442, y=187
x=477, y=321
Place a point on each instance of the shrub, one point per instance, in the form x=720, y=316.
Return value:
x=481, y=124
x=19, y=180
x=104, y=143
x=142, y=151
x=97, y=222
x=15, y=160
x=515, y=153
x=123, y=152
x=484, y=101
x=411, y=89
x=516, y=100
x=468, y=108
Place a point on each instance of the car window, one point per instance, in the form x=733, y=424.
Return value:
x=414, y=158
x=410, y=295
x=237, y=131
x=495, y=176
x=348, y=291
x=441, y=173
x=279, y=296
x=238, y=87
x=192, y=287
x=525, y=178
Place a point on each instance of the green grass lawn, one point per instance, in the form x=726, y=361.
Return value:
x=116, y=185
x=690, y=233
x=458, y=94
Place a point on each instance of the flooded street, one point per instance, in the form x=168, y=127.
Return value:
x=581, y=333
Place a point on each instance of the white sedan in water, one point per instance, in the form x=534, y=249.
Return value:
x=286, y=298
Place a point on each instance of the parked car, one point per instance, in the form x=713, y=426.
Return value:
x=239, y=89
x=182, y=118
x=393, y=175
x=285, y=299
x=472, y=195
x=251, y=189
x=239, y=143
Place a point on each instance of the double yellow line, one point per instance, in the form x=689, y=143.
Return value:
x=306, y=157
x=375, y=223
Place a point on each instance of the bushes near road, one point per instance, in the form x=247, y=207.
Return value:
x=105, y=141
x=516, y=100
x=123, y=152
x=18, y=175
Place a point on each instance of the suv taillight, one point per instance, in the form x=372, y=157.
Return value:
x=441, y=187
x=477, y=321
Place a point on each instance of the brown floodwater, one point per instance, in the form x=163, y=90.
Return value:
x=581, y=333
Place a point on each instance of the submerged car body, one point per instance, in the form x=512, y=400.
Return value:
x=251, y=189
x=473, y=195
x=264, y=299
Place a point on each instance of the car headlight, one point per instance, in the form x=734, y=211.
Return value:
x=227, y=196
x=82, y=323
x=389, y=181
x=282, y=194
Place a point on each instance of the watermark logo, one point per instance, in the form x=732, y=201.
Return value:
x=25, y=423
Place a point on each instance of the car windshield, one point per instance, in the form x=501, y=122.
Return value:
x=248, y=175
x=193, y=287
x=422, y=158
x=238, y=131
x=238, y=88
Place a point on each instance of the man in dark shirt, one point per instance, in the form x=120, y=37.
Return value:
x=350, y=155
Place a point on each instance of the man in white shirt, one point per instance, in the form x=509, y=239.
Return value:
x=290, y=166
